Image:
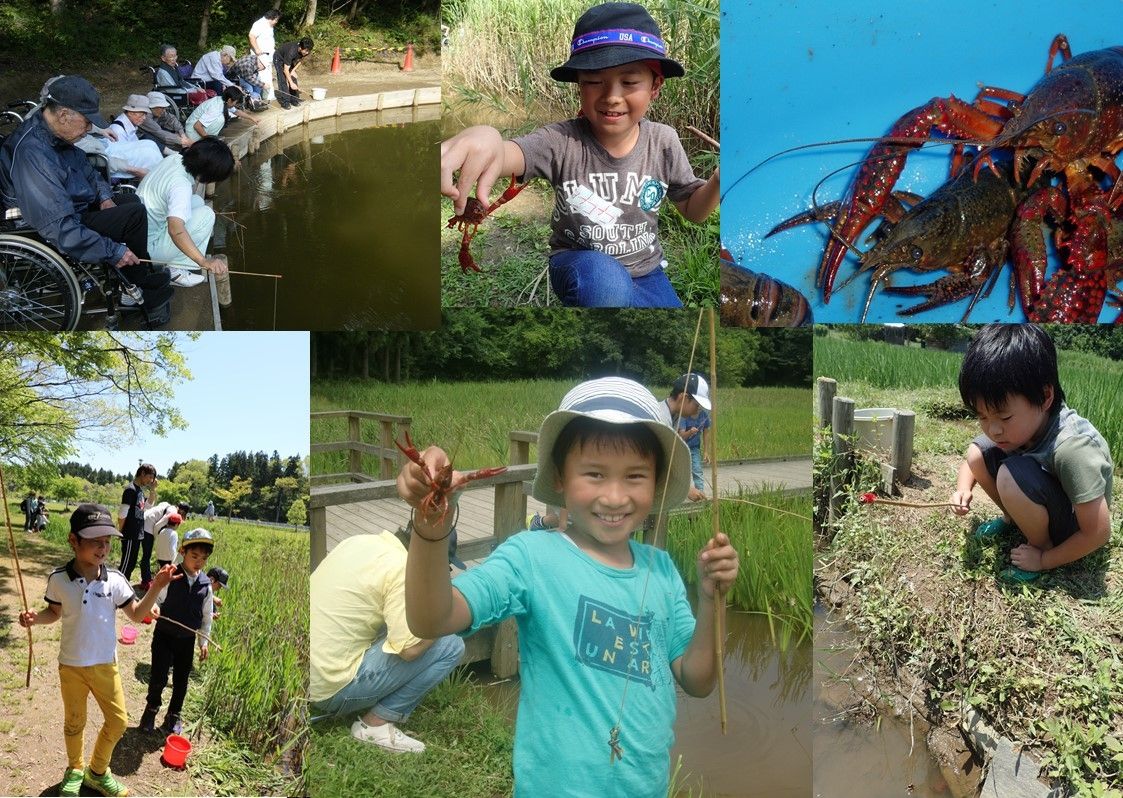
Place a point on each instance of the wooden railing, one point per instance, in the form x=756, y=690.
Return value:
x=391, y=428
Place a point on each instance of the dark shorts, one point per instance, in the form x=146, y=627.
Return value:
x=1037, y=484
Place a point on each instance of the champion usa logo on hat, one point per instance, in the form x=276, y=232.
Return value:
x=651, y=193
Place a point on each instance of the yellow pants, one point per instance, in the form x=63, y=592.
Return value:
x=105, y=683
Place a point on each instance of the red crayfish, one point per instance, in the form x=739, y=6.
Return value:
x=469, y=221
x=434, y=507
x=1069, y=124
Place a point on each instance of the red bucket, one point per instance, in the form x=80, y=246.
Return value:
x=176, y=749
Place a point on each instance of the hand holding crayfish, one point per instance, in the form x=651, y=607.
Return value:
x=428, y=484
x=717, y=566
x=481, y=156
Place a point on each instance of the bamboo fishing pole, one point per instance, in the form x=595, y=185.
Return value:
x=715, y=519
x=19, y=573
x=704, y=136
x=873, y=498
x=199, y=270
x=217, y=647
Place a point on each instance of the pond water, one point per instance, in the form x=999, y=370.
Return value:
x=347, y=216
x=856, y=759
x=766, y=752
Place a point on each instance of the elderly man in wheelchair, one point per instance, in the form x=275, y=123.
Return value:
x=72, y=208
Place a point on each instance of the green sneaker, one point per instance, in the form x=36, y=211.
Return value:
x=71, y=782
x=105, y=783
x=1015, y=574
x=989, y=530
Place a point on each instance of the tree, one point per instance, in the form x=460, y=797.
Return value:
x=233, y=495
x=93, y=386
x=281, y=485
x=174, y=492
x=298, y=513
x=69, y=489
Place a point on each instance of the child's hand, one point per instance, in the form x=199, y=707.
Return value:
x=27, y=619
x=155, y=611
x=413, y=486
x=477, y=152
x=164, y=576
x=1027, y=557
x=962, y=501
x=717, y=565
x=202, y=652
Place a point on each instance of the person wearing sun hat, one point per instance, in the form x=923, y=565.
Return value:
x=189, y=602
x=596, y=610
x=611, y=168
x=86, y=594
x=161, y=126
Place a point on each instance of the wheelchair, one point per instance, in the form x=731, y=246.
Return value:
x=180, y=102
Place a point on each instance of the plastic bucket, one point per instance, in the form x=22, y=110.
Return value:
x=319, y=94
x=874, y=429
x=176, y=749
x=128, y=635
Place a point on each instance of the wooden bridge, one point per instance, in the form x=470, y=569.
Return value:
x=491, y=509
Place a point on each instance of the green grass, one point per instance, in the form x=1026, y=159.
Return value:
x=472, y=420
x=772, y=535
x=468, y=751
x=1091, y=383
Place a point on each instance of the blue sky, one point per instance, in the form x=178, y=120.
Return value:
x=249, y=392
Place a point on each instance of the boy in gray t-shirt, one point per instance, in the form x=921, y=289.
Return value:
x=610, y=167
x=1048, y=469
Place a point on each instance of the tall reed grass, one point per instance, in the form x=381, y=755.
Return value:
x=500, y=53
x=1091, y=383
x=256, y=688
x=775, y=554
x=472, y=420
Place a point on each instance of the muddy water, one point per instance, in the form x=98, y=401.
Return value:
x=766, y=752
x=347, y=217
x=855, y=759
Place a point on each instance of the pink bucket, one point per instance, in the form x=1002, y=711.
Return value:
x=128, y=635
x=176, y=749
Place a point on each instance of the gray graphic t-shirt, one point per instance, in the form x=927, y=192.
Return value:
x=604, y=203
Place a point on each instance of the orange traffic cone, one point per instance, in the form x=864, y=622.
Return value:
x=407, y=66
x=335, y=70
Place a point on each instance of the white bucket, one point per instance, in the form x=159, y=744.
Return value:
x=874, y=429
x=319, y=94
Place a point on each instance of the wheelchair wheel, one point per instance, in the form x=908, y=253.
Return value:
x=9, y=121
x=38, y=290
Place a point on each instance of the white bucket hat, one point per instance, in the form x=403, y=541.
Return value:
x=157, y=100
x=614, y=400
x=136, y=102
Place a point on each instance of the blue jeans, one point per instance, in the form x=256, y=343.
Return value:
x=250, y=89
x=586, y=278
x=390, y=685
x=696, y=468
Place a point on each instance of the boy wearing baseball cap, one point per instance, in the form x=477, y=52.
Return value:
x=689, y=405
x=611, y=168
x=189, y=602
x=86, y=595
x=598, y=613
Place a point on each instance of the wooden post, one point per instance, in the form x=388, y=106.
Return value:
x=518, y=452
x=355, y=457
x=386, y=461
x=904, y=427
x=842, y=428
x=318, y=537
x=827, y=389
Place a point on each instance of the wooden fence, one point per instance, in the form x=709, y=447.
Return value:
x=391, y=428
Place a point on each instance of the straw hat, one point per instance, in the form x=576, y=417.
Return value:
x=614, y=400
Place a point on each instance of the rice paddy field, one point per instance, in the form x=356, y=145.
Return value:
x=1091, y=383
x=472, y=420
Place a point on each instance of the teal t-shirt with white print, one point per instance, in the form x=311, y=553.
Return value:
x=587, y=630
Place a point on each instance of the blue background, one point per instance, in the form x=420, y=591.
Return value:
x=795, y=73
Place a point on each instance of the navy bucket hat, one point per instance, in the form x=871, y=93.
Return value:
x=612, y=34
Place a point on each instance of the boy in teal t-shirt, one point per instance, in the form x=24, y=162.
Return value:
x=605, y=628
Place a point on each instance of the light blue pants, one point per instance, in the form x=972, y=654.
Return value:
x=390, y=685
x=696, y=468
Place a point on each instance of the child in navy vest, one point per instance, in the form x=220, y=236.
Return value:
x=189, y=601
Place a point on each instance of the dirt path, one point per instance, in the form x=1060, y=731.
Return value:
x=31, y=718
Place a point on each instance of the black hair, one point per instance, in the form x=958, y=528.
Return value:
x=209, y=160
x=183, y=509
x=146, y=468
x=583, y=429
x=198, y=544
x=233, y=93
x=305, y=44
x=272, y=14
x=1006, y=360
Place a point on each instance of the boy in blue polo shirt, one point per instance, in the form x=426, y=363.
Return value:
x=597, y=612
x=189, y=601
x=86, y=595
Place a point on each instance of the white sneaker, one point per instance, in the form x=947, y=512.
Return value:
x=386, y=736
x=185, y=279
